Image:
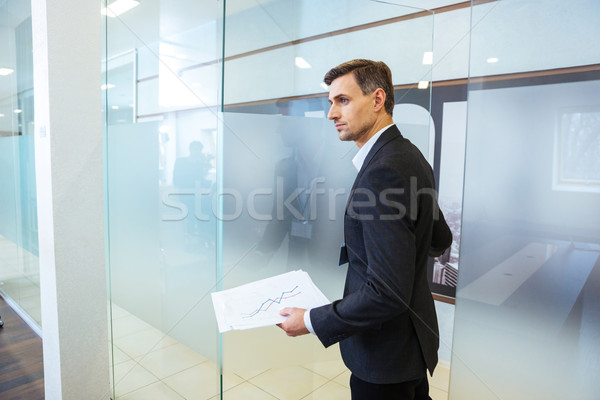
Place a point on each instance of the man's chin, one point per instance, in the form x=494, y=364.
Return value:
x=344, y=137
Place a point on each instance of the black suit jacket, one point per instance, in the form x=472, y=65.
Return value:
x=386, y=322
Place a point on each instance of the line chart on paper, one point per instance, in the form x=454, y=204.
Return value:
x=269, y=302
x=258, y=303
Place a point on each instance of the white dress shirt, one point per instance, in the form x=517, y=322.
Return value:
x=359, y=158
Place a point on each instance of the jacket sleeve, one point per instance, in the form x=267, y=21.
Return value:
x=441, y=237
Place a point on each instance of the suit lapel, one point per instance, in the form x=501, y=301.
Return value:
x=390, y=134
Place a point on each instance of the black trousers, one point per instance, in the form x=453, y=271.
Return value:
x=411, y=390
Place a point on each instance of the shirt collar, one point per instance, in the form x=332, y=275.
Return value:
x=359, y=158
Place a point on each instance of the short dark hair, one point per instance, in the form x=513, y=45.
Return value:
x=370, y=75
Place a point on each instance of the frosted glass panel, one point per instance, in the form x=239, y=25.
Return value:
x=528, y=295
x=268, y=158
x=162, y=251
x=161, y=171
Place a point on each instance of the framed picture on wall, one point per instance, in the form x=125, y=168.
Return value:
x=452, y=161
x=449, y=112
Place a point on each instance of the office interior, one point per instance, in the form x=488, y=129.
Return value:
x=204, y=104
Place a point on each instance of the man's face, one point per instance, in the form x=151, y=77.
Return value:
x=351, y=110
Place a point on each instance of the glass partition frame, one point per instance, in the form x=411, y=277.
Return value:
x=19, y=263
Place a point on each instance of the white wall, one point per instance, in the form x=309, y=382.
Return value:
x=69, y=182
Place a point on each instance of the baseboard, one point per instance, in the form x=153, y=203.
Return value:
x=21, y=313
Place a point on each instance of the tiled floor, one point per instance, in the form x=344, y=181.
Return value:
x=150, y=365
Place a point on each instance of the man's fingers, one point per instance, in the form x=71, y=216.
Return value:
x=285, y=311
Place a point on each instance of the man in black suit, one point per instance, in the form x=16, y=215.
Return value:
x=385, y=322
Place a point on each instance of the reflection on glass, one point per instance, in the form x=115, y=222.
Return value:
x=120, y=72
x=294, y=194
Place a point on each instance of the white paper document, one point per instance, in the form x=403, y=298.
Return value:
x=258, y=303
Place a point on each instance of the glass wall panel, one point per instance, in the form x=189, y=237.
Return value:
x=19, y=267
x=528, y=296
x=161, y=122
x=282, y=162
x=191, y=192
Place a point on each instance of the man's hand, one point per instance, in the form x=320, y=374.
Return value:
x=294, y=324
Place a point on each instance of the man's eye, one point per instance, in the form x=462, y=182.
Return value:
x=343, y=101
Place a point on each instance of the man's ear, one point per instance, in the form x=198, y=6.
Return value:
x=378, y=99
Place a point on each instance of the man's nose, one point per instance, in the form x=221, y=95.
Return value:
x=332, y=114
